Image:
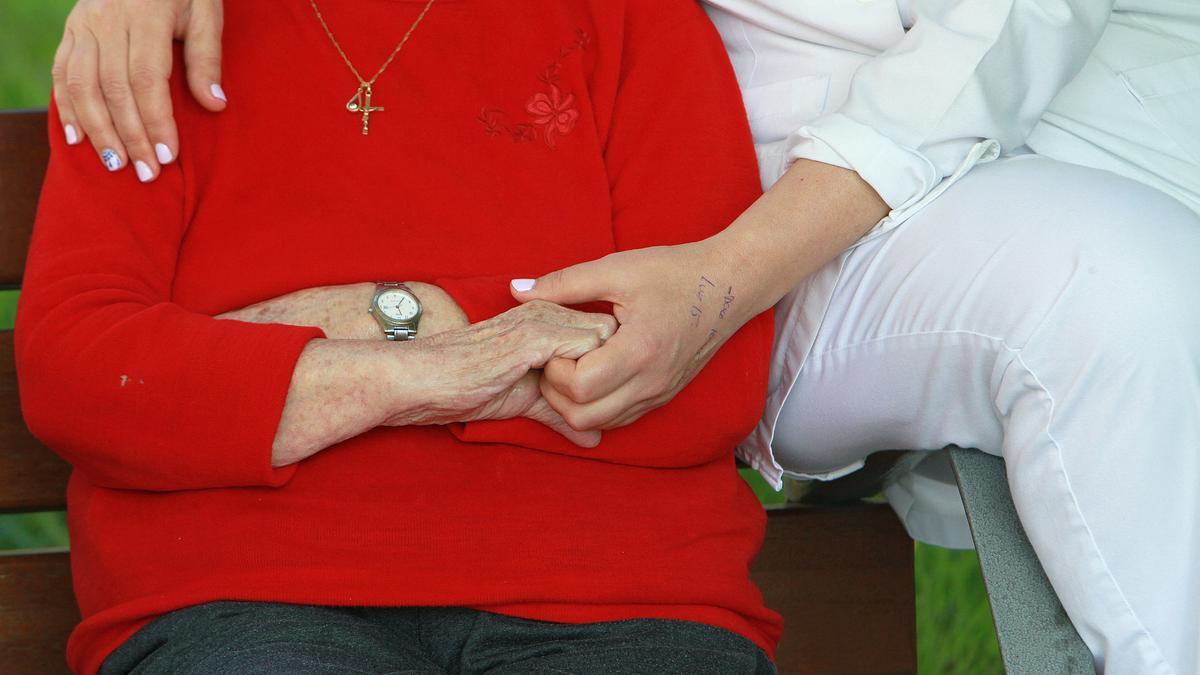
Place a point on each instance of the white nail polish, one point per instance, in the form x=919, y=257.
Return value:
x=523, y=285
x=72, y=135
x=218, y=92
x=112, y=161
x=143, y=171
x=163, y=153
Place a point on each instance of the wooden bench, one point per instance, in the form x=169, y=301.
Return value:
x=842, y=577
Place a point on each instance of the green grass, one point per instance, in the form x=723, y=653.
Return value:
x=29, y=33
x=8, y=308
x=955, y=633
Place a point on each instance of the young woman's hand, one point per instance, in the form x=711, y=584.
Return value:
x=111, y=75
x=675, y=305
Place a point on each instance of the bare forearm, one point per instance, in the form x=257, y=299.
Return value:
x=347, y=384
x=341, y=311
x=339, y=389
x=805, y=220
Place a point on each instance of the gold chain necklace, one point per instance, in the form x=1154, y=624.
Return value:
x=361, y=103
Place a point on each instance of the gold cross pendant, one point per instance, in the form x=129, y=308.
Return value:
x=361, y=103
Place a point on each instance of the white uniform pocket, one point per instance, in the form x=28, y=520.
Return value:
x=1170, y=94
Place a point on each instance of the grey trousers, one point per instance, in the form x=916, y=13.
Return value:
x=263, y=637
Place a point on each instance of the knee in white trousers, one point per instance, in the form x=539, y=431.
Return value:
x=1048, y=313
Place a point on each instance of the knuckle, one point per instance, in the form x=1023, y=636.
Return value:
x=577, y=391
x=90, y=13
x=145, y=79
x=58, y=72
x=576, y=418
x=115, y=87
x=79, y=87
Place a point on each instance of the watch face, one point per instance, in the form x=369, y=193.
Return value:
x=398, y=305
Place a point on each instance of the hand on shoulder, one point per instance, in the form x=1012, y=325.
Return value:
x=111, y=74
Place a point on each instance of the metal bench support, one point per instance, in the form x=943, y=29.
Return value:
x=1034, y=632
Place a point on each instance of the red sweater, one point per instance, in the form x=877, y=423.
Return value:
x=517, y=138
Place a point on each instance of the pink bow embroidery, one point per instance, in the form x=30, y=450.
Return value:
x=554, y=112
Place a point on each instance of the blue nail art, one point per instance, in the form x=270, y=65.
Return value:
x=111, y=159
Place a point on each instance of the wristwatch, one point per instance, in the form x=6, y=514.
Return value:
x=397, y=310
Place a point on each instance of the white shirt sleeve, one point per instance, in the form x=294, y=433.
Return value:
x=966, y=71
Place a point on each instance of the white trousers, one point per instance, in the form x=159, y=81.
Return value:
x=1050, y=314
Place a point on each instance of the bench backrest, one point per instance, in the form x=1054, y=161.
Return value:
x=31, y=478
x=37, y=608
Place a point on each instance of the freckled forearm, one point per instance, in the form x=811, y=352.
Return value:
x=339, y=389
x=349, y=384
x=341, y=311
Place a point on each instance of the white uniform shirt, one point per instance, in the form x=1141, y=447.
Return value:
x=912, y=93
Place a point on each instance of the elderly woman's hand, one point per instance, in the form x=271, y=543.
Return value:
x=111, y=72
x=489, y=370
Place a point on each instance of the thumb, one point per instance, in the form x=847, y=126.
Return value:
x=575, y=285
x=202, y=53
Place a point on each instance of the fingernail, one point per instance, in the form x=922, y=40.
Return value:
x=111, y=159
x=72, y=135
x=163, y=153
x=523, y=285
x=143, y=171
x=218, y=92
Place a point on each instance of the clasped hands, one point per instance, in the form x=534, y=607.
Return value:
x=576, y=372
x=465, y=372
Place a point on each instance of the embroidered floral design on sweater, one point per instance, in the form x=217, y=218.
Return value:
x=552, y=113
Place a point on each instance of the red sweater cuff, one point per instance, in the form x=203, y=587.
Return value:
x=198, y=410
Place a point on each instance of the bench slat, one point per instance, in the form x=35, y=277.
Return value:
x=32, y=478
x=37, y=612
x=25, y=151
